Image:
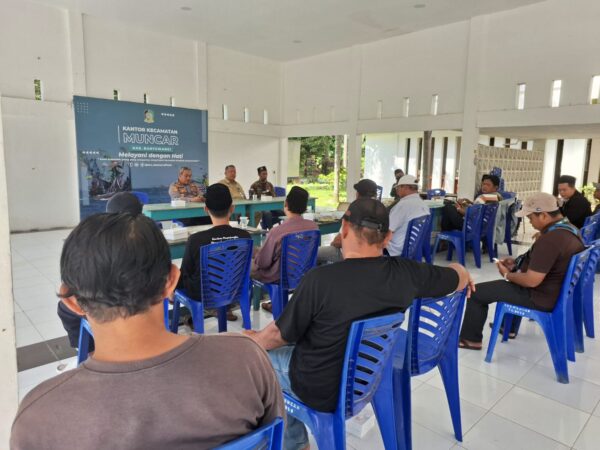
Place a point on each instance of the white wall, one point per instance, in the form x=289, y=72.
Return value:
x=83, y=55
x=549, y=166
x=574, y=158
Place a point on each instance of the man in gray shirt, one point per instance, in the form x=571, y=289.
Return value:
x=143, y=387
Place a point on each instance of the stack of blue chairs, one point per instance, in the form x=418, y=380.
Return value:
x=583, y=301
x=225, y=278
x=431, y=341
x=366, y=378
x=298, y=256
x=470, y=234
x=438, y=192
x=558, y=325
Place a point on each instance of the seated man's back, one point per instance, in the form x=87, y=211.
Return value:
x=265, y=266
x=207, y=391
x=143, y=387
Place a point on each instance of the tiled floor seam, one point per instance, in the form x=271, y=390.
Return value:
x=582, y=430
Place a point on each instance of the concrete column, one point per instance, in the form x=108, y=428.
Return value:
x=470, y=131
x=594, y=171
x=8, y=351
x=354, y=151
x=282, y=173
x=77, y=52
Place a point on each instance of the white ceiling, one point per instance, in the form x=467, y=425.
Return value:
x=287, y=29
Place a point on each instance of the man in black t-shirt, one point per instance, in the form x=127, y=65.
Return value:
x=329, y=298
x=575, y=206
x=219, y=206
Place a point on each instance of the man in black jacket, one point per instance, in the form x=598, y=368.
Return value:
x=575, y=206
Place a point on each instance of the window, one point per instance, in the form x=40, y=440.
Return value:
x=379, y=108
x=555, y=93
x=406, y=106
x=246, y=115
x=146, y=98
x=172, y=101
x=265, y=117
x=521, y=95
x=434, y=104
x=116, y=94
x=225, y=112
x=595, y=90
x=37, y=90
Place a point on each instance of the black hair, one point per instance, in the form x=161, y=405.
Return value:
x=570, y=180
x=115, y=265
x=297, y=200
x=229, y=166
x=368, y=235
x=495, y=179
x=398, y=171
x=218, y=213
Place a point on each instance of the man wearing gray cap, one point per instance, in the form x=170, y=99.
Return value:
x=532, y=280
x=410, y=206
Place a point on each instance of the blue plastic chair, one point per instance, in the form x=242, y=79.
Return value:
x=435, y=193
x=416, y=232
x=426, y=250
x=279, y=191
x=379, y=192
x=470, y=234
x=85, y=335
x=488, y=227
x=510, y=212
x=298, y=256
x=557, y=325
x=431, y=341
x=142, y=197
x=588, y=233
x=591, y=220
x=507, y=195
x=269, y=437
x=224, y=279
x=366, y=378
x=583, y=301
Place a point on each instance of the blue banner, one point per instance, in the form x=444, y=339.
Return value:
x=125, y=146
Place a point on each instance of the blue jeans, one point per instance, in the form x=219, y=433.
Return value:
x=295, y=436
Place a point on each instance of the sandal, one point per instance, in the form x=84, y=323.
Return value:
x=511, y=335
x=464, y=344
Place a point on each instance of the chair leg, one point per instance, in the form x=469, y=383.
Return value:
x=435, y=247
x=555, y=336
x=509, y=245
x=256, y=294
x=276, y=294
x=450, y=251
x=498, y=317
x=449, y=370
x=507, y=326
x=325, y=435
x=588, y=310
x=461, y=250
x=222, y=318
x=402, y=393
x=491, y=248
x=245, y=309
x=476, y=244
x=383, y=404
x=197, y=311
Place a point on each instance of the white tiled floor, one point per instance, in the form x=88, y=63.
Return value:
x=514, y=402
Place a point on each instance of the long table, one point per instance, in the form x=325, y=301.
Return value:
x=249, y=208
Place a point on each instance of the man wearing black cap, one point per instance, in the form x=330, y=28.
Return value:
x=124, y=202
x=265, y=266
x=331, y=253
x=263, y=187
x=329, y=298
x=219, y=207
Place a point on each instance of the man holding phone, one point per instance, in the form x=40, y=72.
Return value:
x=532, y=280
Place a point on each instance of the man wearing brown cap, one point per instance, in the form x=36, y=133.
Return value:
x=331, y=253
x=534, y=279
x=219, y=207
x=329, y=298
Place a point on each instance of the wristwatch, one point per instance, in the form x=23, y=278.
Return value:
x=506, y=277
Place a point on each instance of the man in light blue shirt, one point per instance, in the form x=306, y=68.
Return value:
x=409, y=207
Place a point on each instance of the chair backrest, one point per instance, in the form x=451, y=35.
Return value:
x=589, y=270
x=435, y=193
x=488, y=221
x=588, y=233
x=279, y=191
x=269, y=437
x=433, y=327
x=298, y=256
x=369, y=349
x=571, y=279
x=473, y=220
x=225, y=271
x=416, y=233
x=594, y=219
x=142, y=197
x=379, y=192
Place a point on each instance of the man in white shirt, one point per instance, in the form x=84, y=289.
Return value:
x=409, y=207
